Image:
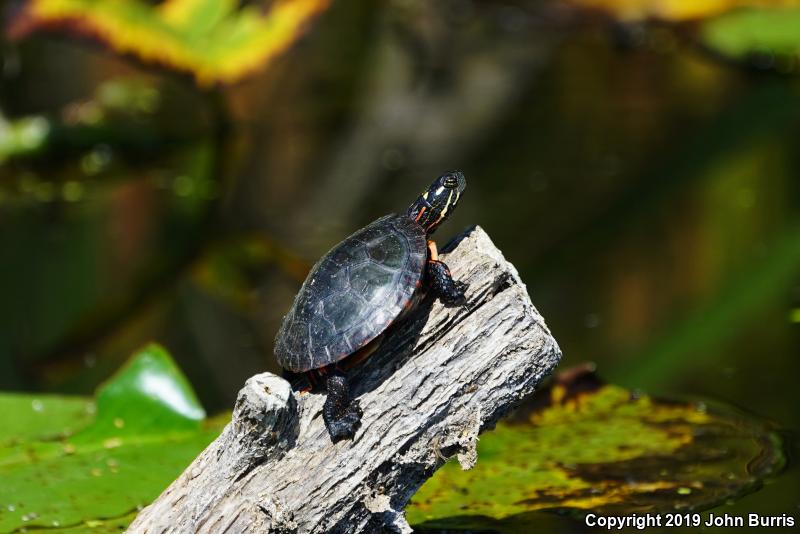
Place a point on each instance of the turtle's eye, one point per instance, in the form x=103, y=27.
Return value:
x=450, y=181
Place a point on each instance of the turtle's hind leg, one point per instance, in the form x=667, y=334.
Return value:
x=342, y=415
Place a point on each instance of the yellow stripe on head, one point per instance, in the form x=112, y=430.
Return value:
x=447, y=204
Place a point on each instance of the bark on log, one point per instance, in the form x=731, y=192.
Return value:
x=437, y=381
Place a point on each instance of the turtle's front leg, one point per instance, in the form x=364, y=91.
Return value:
x=341, y=414
x=440, y=281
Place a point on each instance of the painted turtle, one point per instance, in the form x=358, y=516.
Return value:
x=364, y=284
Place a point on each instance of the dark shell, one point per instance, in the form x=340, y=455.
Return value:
x=352, y=294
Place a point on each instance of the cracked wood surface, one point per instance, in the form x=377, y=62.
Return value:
x=438, y=380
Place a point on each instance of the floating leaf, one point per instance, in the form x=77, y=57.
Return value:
x=149, y=426
x=212, y=39
x=149, y=384
x=750, y=33
x=113, y=525
x=42, y=417
x=601, y=448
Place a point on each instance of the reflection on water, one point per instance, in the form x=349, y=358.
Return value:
x=648, y=196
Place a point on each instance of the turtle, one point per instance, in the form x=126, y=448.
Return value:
x=366, y=283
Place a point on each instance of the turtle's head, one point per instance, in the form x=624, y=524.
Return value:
x=438, y=201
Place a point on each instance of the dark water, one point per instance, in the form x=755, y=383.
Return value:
x=648, y=196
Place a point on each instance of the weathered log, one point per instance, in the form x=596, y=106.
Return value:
x=437, y=381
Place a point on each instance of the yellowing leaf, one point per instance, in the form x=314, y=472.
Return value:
x=211, y=39
x=630, y=10
x=589, y=446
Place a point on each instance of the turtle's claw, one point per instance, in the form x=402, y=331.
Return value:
x=458, y=297
x=354, y=412
x=345, y=426
x=455, y=295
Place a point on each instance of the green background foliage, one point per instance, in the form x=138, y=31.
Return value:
x=768, y=32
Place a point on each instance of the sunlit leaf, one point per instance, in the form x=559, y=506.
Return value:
x=600, y=447
x=147, y=395
x=214, y=40
x=149, y=426
x=629, y=10
x=755, y=32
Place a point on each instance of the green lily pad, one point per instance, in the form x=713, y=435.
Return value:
x=147, y=395
x=600, y=447
x=42, y=417
x=149, y=426
x=113, y=525
x=742, y=34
